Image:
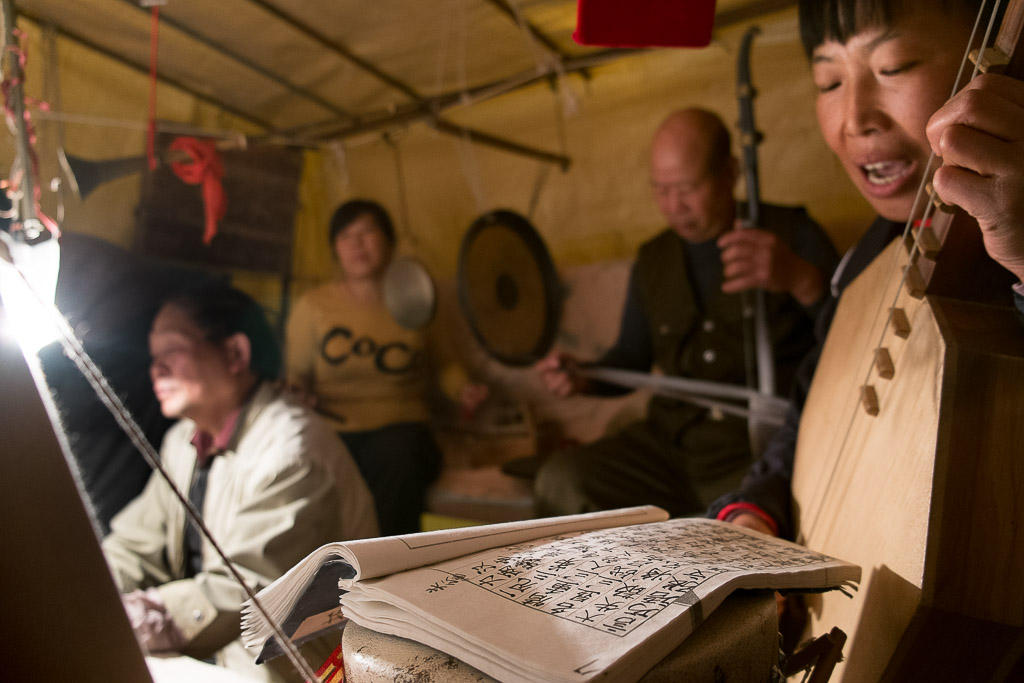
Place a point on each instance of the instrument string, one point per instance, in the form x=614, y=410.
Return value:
x=74, y=349
x=922, y=223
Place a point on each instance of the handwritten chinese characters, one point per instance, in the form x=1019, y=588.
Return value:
x=617, y=579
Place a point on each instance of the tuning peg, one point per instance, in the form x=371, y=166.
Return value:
x=992, y=59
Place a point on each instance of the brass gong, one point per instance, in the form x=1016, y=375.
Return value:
x=508, y=288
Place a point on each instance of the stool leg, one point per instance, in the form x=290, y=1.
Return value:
x=823, y=653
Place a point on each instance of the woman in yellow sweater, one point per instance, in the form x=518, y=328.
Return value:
x=368, y=375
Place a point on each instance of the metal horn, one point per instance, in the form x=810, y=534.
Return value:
x=85, y=175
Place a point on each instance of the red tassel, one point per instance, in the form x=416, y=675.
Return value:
x=203, y=167
x=644, y=23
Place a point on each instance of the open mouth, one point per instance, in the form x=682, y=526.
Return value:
x=884, y=173
x=162, y=392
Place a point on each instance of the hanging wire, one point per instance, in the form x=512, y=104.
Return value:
x=462, y=78
x=444, y=41
x=52, y=94
x=470, y=168
x=464, y=143
x=51, y=82
x=22, y=183
x=403, y=196
x=547, y=62
x=538, y=186
x=560, y=116
x=170, y=127
x=563, y=146
x=464, y=146
x=541, y=56
x=154, y=51
x=337, y=152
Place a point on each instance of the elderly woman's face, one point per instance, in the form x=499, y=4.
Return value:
x=362, y=249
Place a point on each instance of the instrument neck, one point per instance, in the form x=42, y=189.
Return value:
x=948, y=254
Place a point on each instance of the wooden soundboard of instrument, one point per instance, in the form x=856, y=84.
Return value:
x=910, y=461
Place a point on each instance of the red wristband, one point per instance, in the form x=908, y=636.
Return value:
x=733, y=509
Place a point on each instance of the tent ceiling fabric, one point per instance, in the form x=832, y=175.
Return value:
x=327, y=69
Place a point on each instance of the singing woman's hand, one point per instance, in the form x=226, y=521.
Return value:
x=979, y=134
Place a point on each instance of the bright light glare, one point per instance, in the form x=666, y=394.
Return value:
x=27, y=314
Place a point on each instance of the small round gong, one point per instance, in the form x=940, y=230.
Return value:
x=508, y=288
x=409, y=292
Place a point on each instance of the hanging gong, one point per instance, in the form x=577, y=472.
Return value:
x=409, y=292
x=508, y=288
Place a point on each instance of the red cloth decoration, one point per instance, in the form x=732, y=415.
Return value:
x=204, y=167
x=644, y=23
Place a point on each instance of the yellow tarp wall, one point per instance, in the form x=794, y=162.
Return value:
x=601, y=208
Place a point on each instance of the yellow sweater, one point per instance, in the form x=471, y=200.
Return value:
x=364, y=369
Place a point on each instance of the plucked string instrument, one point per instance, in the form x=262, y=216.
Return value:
x=911, y=449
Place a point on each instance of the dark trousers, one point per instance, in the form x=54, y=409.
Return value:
x=399, y=462
x=638, y=465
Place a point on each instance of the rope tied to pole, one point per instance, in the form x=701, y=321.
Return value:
x=23, y=182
